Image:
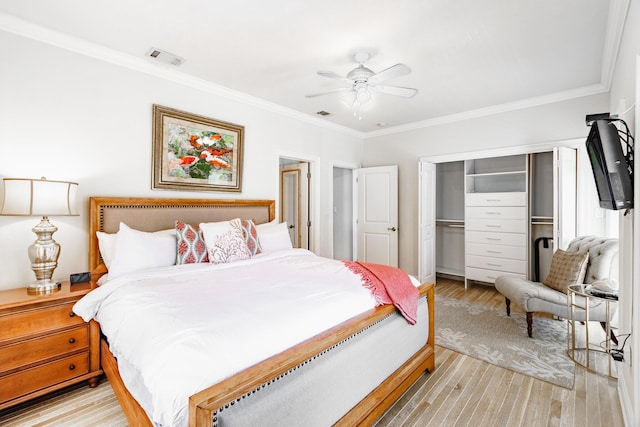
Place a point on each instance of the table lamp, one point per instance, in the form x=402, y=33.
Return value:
x=41, y=197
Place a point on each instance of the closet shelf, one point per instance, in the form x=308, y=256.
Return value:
x=542, y=220
x=453, y=223
x=520, y=172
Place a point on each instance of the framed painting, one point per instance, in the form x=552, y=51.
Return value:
x=195, y=153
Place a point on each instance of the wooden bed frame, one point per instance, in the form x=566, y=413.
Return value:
x=204, y=404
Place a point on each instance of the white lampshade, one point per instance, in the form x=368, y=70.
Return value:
x=39, y=197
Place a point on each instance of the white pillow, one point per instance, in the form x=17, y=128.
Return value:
x=225, y=241
x=273, y=237
x=107, y=245
x=136, y=250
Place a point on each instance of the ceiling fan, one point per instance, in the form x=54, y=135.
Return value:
x=361, y=81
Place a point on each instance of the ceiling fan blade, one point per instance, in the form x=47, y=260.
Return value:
x=326, y=92
x=406, y=92
x=333, y=75
x=391, y=72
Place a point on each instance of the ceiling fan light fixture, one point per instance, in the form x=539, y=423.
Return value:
x=361, y=81
x=363, y=95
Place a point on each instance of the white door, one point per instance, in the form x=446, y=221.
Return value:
x=564, y=201
x=377, y=216
x=427, y=223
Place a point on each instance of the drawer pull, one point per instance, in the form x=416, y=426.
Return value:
x=494, y=239
x=72, y=314
x=493, y=213
x=72, y=340
x=494, y=265
x=494, y=252
x=493, y=200
x=494, y=226
x=72, y=367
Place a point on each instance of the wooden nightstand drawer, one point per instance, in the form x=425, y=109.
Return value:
x=34, y=379
x=32, y=322
x=37, y=350
x=44, y=346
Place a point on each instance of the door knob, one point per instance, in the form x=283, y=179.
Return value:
x=292, y=226
x=392, y=229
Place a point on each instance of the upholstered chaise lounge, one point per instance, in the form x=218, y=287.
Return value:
x=602, y=263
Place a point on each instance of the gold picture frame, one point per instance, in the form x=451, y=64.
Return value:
x=195, y=153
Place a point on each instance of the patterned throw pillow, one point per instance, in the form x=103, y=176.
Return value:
x=251, y=236
x=225, y=241
x=190, y=244
x=567, y=268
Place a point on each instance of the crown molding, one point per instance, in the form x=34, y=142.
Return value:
x=495, y=109
x=32, y=31
x=618, y=10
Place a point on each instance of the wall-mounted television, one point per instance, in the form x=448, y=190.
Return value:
x=612, y=167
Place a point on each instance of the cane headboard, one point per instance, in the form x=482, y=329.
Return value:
x=153, y=214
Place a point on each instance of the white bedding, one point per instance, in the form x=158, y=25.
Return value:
x=177, y=330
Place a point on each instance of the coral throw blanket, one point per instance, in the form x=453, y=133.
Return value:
x=389, y=285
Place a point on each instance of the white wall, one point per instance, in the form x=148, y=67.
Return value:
x=543, y=124
x=624, y=93
x=67, y=116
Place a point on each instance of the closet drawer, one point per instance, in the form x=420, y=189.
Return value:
x=496, y=212
x=489, y=276
x=500, y=264
x=510, y=239
x=496, y=199
x=496, y=225
x=497, y=251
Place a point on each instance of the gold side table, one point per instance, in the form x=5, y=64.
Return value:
x=578, y=302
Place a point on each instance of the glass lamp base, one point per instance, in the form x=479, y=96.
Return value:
x=43, y=287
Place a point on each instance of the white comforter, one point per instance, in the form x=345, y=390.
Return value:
x=179, y=329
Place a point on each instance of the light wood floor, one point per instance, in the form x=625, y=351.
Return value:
x=462, y=391
x=468, y=392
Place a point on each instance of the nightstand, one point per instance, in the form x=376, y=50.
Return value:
x=44, y=346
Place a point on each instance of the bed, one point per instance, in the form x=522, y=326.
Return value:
x=347, y=374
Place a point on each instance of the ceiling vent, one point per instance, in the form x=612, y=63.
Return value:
x=323, y=113
x=164, y=57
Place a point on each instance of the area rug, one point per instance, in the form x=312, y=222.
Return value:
x=488, y=334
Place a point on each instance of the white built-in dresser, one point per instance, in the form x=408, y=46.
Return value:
x=496, y=218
